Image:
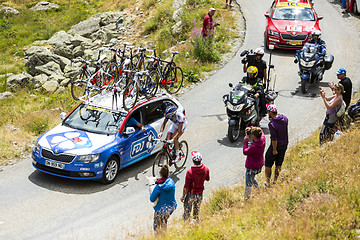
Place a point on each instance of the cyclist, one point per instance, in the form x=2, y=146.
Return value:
x=176, y=130
x=259, y=95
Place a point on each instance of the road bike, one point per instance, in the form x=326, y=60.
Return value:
x=170, y=76
x=167, y=156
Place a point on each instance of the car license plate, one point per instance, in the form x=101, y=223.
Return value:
x=54, y=164
x=295, y=42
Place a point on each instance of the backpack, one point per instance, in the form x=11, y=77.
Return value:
x=341, y=111
x=354, y=109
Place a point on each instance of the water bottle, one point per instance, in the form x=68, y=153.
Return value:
x=337, y=135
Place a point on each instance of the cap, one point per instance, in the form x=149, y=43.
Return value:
x=272, y=108
x=196, y=156
x=341, y=71
x=212, y=10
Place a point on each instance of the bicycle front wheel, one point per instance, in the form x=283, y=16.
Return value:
x=151, y=84
x=130, y=95
x=174, y=80
x=79, y=84
x=111, y=75
x=184, y=150
x=160, y=160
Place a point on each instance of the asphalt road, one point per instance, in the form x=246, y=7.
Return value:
x=39, y=206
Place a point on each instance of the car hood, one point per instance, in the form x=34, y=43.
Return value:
x=294, y=26
x=62, y=139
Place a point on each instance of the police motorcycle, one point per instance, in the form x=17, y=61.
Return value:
x=312, y=65
x=240, y=106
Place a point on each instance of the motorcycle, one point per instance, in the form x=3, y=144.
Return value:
x=312, y=65
x=240, y=106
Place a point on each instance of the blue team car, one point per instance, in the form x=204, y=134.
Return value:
x=98, y=138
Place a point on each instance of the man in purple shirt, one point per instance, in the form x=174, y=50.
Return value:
x=278, y=127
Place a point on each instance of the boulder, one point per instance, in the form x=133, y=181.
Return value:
x=78, y=40
x=109, y=18
x=87, y=27
x=177, y=28
x=9, y=10
x=60, y=90
x=60, y=38
x=6, y=95
x=39, y=80
x=50, y=86
x=178, y=3
x=40, y=6
x=57, y=77
x=178, y=14
x=65, y=82
x=64, y=51
x=49, y=69
x=17, y=80
x=70, y=71
x=78, y=51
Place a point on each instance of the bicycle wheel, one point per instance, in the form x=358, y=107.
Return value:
x=151, y=84
x=130, y=95
x=174, y=80
x=184, y=150
x=78, y=84
x=111, y=75
x=160, y=160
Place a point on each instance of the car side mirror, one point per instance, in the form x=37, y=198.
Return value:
x=230, y=85
x=295, y=60
x=320, y=17
x=267, y=15
x=271, y=66
x=129, y=130
x=63, y=116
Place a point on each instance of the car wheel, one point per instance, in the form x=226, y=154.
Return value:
x=110, y=170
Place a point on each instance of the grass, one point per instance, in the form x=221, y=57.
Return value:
x=317, y=197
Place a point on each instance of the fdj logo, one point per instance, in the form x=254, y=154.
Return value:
x=142, y=145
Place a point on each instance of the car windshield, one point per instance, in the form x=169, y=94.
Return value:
x=95, y=119
x=293, y=14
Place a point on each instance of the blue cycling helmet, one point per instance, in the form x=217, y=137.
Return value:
x=170, y=110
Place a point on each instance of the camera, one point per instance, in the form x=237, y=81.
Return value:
x=250, y=56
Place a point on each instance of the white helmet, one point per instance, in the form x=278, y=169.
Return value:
x=316, y=32
x=259, y=51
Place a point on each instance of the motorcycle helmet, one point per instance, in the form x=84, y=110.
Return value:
x=316, y=32
x=170, y=110
x=259, y=51
x=252, y=72
x=196, y=156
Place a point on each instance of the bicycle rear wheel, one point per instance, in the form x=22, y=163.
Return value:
x=160, y=160
x=174, y=80
x=78, y=84
x=111, y=75
x=130, y=95
x=184, y=150
x=151, y=84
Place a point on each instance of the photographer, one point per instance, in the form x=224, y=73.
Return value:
x=254, y=58
x=209, y=25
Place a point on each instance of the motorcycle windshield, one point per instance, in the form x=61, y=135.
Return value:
x=310, y=52
x=239, y=93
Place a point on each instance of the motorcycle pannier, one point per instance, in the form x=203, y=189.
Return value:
x=328, y=59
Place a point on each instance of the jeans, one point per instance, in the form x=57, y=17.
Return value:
x=250, y=181
x=192, y=201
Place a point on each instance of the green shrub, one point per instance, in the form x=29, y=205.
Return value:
x=204, y=49
x=38, y=125
x=191, y=75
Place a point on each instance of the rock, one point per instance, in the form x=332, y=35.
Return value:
x=178, y=3
x=6, y=95
x=49, y=69
x=40, y=6
x=177, y=28
x=56, y=77
x=9, y=10
x=78, y=40
x=60, y=90
x=17, y=80
x=60, y=38
x=90, y=54
x=178, y=14
x=50, y=86
x=39, y=80
x=62, y=61
x=87, y=27
x=64, y=51
x=78, y=51
x=119, y=22
x=109, y=18
x=70, y=71
x=65, y=82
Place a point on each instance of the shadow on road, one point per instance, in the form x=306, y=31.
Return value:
x=72, y=186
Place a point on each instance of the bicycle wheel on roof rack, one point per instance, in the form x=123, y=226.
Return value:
x=130, y=95
x=111, y=75
x=150, y=84
x=174, y=80
x=78, y=85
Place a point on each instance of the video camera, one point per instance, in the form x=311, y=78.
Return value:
x=249, y=56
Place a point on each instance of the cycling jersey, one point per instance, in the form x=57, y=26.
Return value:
x=180, y=118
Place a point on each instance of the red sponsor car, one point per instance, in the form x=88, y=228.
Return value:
x=290, y=23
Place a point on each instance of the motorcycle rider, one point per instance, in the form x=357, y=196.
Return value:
x=179, y=123
x=252, y=79
x=259, y=63
x=320, y=44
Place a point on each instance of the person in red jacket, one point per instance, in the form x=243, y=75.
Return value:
x=254, y=157
x=209, y=24
x=194, y=186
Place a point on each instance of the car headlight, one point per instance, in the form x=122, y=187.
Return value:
x=88, y=158
x=273, y=33
x=37, y=147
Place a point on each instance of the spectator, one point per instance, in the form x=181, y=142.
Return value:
x=208, y=28
x=254, y=157
x=346, y=82
x=194, y=186
x=332, y=105
x=164, y=191
x=278, y=127
x=228, y=4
